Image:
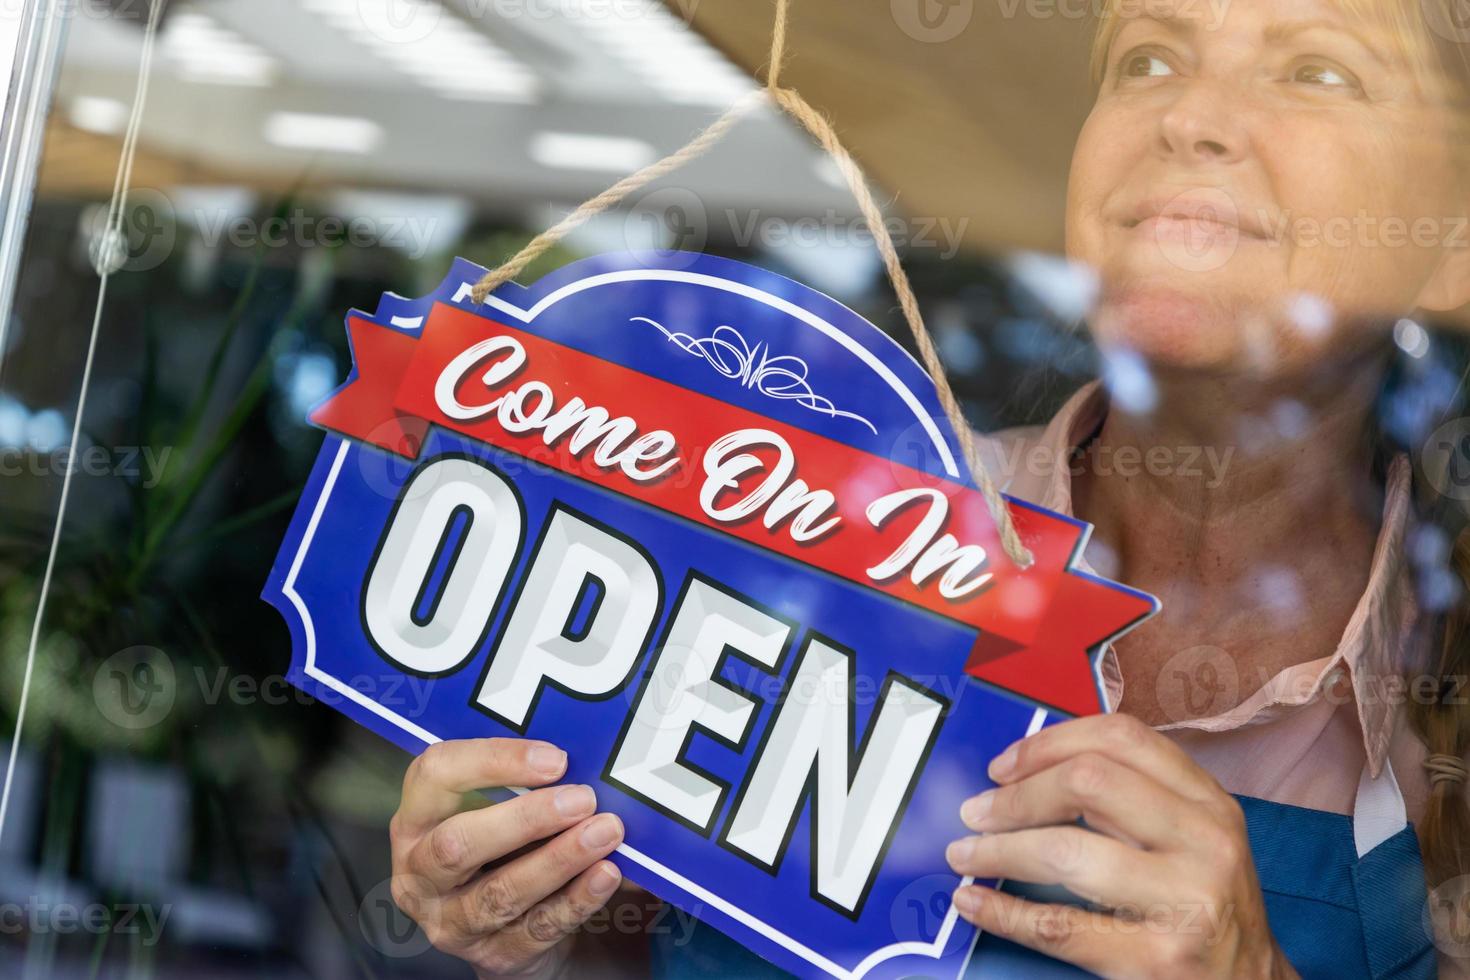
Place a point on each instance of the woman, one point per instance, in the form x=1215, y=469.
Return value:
x=1288, y=764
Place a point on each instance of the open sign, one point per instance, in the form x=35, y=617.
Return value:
x=579, y=622
x=672, y=519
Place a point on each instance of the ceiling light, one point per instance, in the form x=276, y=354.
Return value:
x=586, y=151
x=309, y=131
x=661, y=50
x=97, y=115
x=203, y=51
x=447, y=55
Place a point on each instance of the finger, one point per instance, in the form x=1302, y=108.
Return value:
x=1087, y=939
x=445, y=771
x=455, y=850
x=1096, y=868
x=498, y=898
x=548, y=923
x=1122, y=738
x=1113, y=798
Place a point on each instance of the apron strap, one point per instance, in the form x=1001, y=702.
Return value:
x=1379, y=812
x=1389, y=881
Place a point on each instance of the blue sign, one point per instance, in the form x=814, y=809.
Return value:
x=709, y=531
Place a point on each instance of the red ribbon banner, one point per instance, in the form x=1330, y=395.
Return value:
x=1037, y=627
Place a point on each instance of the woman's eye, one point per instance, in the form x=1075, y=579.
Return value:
x=1144, y=65
x=1325, y=76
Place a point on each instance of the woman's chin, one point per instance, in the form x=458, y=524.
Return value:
x=1192, y=331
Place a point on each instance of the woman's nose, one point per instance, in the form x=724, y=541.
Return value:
x=1202, y=126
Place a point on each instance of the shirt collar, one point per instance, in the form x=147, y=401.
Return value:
x=1371, y=650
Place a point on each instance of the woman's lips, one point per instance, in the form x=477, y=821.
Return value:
x=1192, y=231
x=1197, y=216
x=1197, y=230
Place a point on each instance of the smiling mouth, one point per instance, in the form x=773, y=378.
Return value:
x=1197, y=221
x=1195, y=228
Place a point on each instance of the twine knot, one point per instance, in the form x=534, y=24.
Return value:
x=1446, y=769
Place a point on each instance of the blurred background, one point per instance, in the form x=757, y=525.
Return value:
x=177, y=810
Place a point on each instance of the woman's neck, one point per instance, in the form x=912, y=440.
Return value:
x=1272, y=535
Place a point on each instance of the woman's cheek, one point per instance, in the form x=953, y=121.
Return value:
x=1102, y=160
x=1365, y=264
x=1363, y=213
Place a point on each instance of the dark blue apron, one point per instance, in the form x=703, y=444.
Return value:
x=1334, y=914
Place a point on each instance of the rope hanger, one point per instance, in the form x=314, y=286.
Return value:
x=822, y=130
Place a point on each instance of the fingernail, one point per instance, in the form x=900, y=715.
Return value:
x=548, y=760
x=1001, y=765
x=958, y=851
x=575, y=801
x=977, y=808
x=602, y=831
x=967, y=899
x=604, y=880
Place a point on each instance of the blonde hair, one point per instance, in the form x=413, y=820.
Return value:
x=1421, y=33
x=1424, y=36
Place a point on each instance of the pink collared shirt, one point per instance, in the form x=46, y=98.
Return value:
x=1306, y=735
x=1313, y=734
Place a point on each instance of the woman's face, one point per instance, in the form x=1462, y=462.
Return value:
x=1257, y=181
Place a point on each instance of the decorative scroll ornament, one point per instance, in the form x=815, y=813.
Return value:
x=780, y=376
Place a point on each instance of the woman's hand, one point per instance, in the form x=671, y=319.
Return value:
x=517, y=917
x=1169, y=869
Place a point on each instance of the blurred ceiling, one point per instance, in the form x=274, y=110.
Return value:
x=965, y=110
x=517, y=105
